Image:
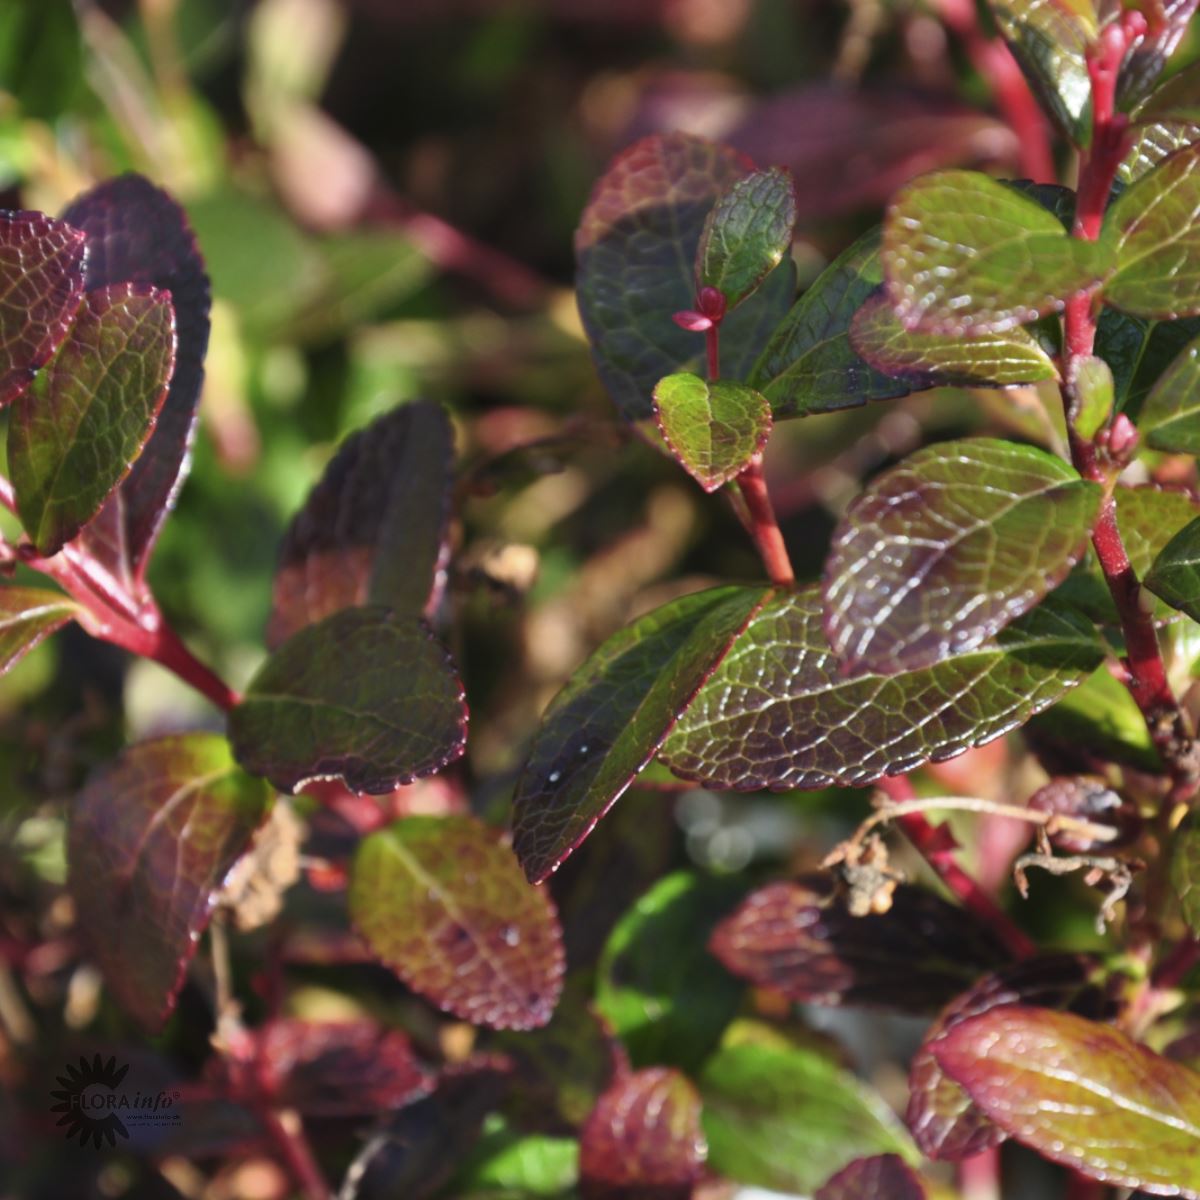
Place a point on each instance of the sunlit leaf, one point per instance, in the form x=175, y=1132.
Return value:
x=442, y=902
x=883, y=1177
x=508, y=1163
x=1094, y=394
x=151, y=839
x=27, y=617
x=1150, y=143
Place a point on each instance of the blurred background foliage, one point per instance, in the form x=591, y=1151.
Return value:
x=386, y=192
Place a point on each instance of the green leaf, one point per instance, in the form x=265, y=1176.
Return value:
x=1175, y=575
x=1151, y=238
x=1050, y=43
x=442, y=902
x=1082, y=1094
x=962, y=252
x=27, y=617
x=787, y=1119
x=777, y=713
x=505, y=1160
x=949, y=547
x=1094, y=395
x=364, y=696
x=1148, y=517
x=925, y=360
x=1179, y=96
x=1170, y=416
x=809, y=365
x=746, y=234
x=152, y=838
x=1152, y=142
x=612, y=716
x=76, y=432
x=664, y=995
x=713, y=429
x=1185, y=871
x=1167, y=21
x=635, y=250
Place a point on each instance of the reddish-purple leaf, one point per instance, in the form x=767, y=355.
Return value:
x=137, y=234
x=800, y=938
x=643, y=1140
x=1083, y=1094
x=612, y=716
x=364, y=695
x=373, y=531
x=41, y=282
x=78, y=429
x=883, y=1177
x=27, y=617
x=943, y=1121
x=152, y=838
x=1167, y=21
x=442, y=902
x=1090, y=798
x=338, y=1068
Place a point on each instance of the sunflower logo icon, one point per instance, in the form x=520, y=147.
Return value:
x=87, y=1100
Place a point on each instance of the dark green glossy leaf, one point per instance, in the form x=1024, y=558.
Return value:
x=364, y=695
x=1138, y=352
x=1082, y=1094
x=962, y=252
x=949, y=547
x=635, y=249
x=152, y=838
x=801, y=939
x=924, y=360
x=1178, y=96
x=373, y=531
x=713, y=429
x=442, y=902
x=611, y=718
x=1175, y=575
x=1151, y=239
x=1148, y=518
x=779, y=714
x=41, y=281
x=1170, y=416
x=809, y=365
x=27, y=617
x=665, y=996
x=76, y=432
x=882, y=1177
x=747, y=234
x=788, y=1118
x=1185, y=872
x=1050, y=42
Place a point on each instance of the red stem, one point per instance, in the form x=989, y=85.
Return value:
x=295, y=1151
x=764, y=528
x=1171, y=971
x=979, y=1175
x=931, y=843
x=712, y=344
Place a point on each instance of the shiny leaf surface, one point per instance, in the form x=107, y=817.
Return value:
x=883, y=1177
x=1175, y=575
x=27, y=617
x=1170, y=416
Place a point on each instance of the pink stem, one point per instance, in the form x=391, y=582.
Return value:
x=764, y=528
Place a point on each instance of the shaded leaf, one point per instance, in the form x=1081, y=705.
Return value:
x=788, y=1118
x=800, y=938
x=778, y=714
x=612, y=716
x=373, y=530
x=1185, y=872
x=1082, y=1094
x=635, y=249
x=1175, y=574
x=1167, y=20
x=1139, y=351
x=925, y=360
x=1090, y=798
x=946, y=549
x=41, y=280
x=77, y=430
x=151, y=840
x=883, y=1177
x=363, y=695
x=1150, y=237
x=961, y=252
x=27, y=617
x=809, y=365
x=941, y=1116
x=137, y=234
x=442, y=902
x=663, y=994
x=1170, y=415
x=746, y=234
x=713, y=429
x=643, y=1140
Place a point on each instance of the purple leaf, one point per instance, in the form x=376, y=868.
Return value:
x=152, y=838
x=442, y=902
x=643, y=1140
x=41, y=279
x=373, y=531
x=1082, y=1094
x=27, y=617
x=76, y=432
x=883, y=1177
x=137, y=234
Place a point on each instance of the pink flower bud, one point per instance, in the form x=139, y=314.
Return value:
x=1122, y=437
x=692, y=321
x=711, y=302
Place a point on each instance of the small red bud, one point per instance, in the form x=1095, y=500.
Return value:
x=1134, y=25
x=693, y=322
x=1122, y=437
x=711, y=302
